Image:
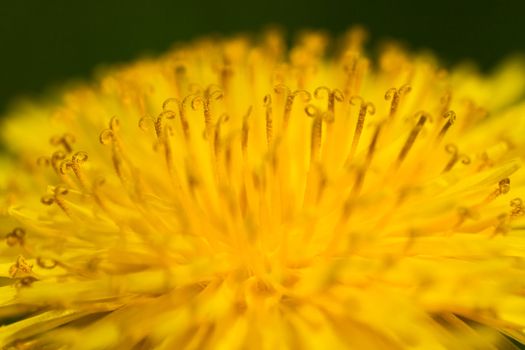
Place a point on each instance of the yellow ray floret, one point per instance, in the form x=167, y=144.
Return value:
x=234, y=194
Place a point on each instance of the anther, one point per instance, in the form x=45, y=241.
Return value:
x=517, y=207
x=317, y=128
x=65, y=141
x=57, y=198
x=456, y=156
x=445, y=102
x=373, y=144
x=269, y=121
x=504, y=186
x=502, y=225
x=55, y=160
x=21, y=268
x=181, y=105
x=217, y=138
x=108, y=136
x=332, y=96
x=211, y=93
x=47, y=264
x=159, y=122
x=245, y=130
x=290, y=97
x=74, y=164
x=395, y=95
x=25, y=282
x=450, y=116
x=16, y=237
x=364, y=108
x=412, y=137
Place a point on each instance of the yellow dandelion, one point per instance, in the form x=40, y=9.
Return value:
x=234, y=194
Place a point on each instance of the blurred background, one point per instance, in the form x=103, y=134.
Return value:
x=46, y=43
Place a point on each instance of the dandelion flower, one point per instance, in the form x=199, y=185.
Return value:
x=234, y=194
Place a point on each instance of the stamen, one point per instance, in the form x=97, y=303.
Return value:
x=181, y=105
x=332, y=96
x=503, y=188
x=245, y=131
x=57, y=198
x=25, y=282
x=350, y=68
x=373, y=144
x=412, y=137
x=65, y=141
x=181, y=78
x=226, y=73
x=364, y=107
x=290, y=97
x=74, y=164
x=206, y=98
x=502, y=226
x=465, y=213
x=16, y=237
x=451, y=119
x=445, y=102
x=269, y=121
x=395, y=95
x=55, y=161
x=456, y=156
x=517, y=207
x=317, y=129
x=108, y=136
x=21, y=268
x=217, y=139
x=46, y=264
x=159, y=122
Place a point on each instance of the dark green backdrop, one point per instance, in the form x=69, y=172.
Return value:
x=45, y=42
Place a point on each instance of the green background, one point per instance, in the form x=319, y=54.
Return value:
x=46, y=42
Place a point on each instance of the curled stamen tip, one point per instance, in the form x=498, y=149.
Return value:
x=338, y=94
x=317, y=92
x=143, y=123
x=195, y=101
x=80, y=157
x=311, y=110
x=354, y=100
x=56, y=156
x=504, y=186
x=106, y=137
x=114, y=123
x=465, y=159
x=47, y=264
x=64, y=166
x=328, y=117
x=451, y=116
x=281, y=88
x=517, y=207
x=405, y=89
x=15, y=237
x=390, y=93
x=47, y=200
x=451, y=148
x=60, y=190
x=168, y=101
x=223, y=118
